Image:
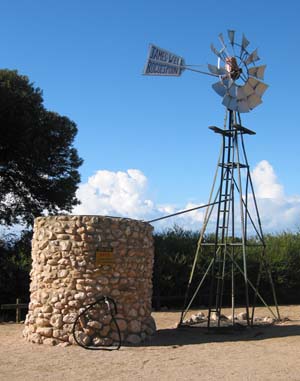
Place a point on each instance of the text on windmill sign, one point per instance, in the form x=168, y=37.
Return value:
x=162, y=62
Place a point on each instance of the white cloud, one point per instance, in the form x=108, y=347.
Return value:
x=115, y=193
x=278, y=211
x=125, y=194
x=265, y=181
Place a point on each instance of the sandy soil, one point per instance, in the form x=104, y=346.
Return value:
x=265, y=353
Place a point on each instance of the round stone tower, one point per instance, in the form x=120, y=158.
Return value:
x=76, y=260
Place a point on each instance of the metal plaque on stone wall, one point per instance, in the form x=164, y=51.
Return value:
x=105, y=256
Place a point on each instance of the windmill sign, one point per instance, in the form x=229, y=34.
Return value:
x=162, y=62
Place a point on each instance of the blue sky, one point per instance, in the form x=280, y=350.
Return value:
x=88, y=58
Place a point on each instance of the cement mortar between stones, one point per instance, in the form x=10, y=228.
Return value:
x=65, y=277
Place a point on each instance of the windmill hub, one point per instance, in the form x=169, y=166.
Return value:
x=233, y=68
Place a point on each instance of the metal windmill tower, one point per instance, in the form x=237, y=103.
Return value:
x=232, y=209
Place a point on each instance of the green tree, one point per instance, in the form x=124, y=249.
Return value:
x=283, y=251
x=15, y=265
x=174, y=251
x=38, y=163
x=174, y=254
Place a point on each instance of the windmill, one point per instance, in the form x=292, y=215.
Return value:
x=232, y=211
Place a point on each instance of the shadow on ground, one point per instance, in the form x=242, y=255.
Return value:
x=196, y=335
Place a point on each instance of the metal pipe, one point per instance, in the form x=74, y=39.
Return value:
x=184, y=211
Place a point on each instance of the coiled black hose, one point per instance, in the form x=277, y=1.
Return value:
x=112, y=309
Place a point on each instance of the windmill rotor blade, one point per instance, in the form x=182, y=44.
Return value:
x=226, y=100
x=245, y=42
x=224, y=47
x=217, y=52
x=231, y=36
x=230, y=102
x=223, y=53
x=261, y=88
x=227, y=82
x=221, y=38
x=252, y=57
x=249, y=87
x=258, y=86
x=232, y=91
x=243, y=105
x=215, y=70
x=219, y=88
x=240, y=94
x=254, y=100
x=257, y=71
x=233, y=104
x=253, y=82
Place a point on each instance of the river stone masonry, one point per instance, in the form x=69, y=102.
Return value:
x=66, y=276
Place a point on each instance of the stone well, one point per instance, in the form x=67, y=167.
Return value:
x=76, y=259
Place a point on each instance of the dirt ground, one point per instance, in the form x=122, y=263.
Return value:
x=259, y=353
